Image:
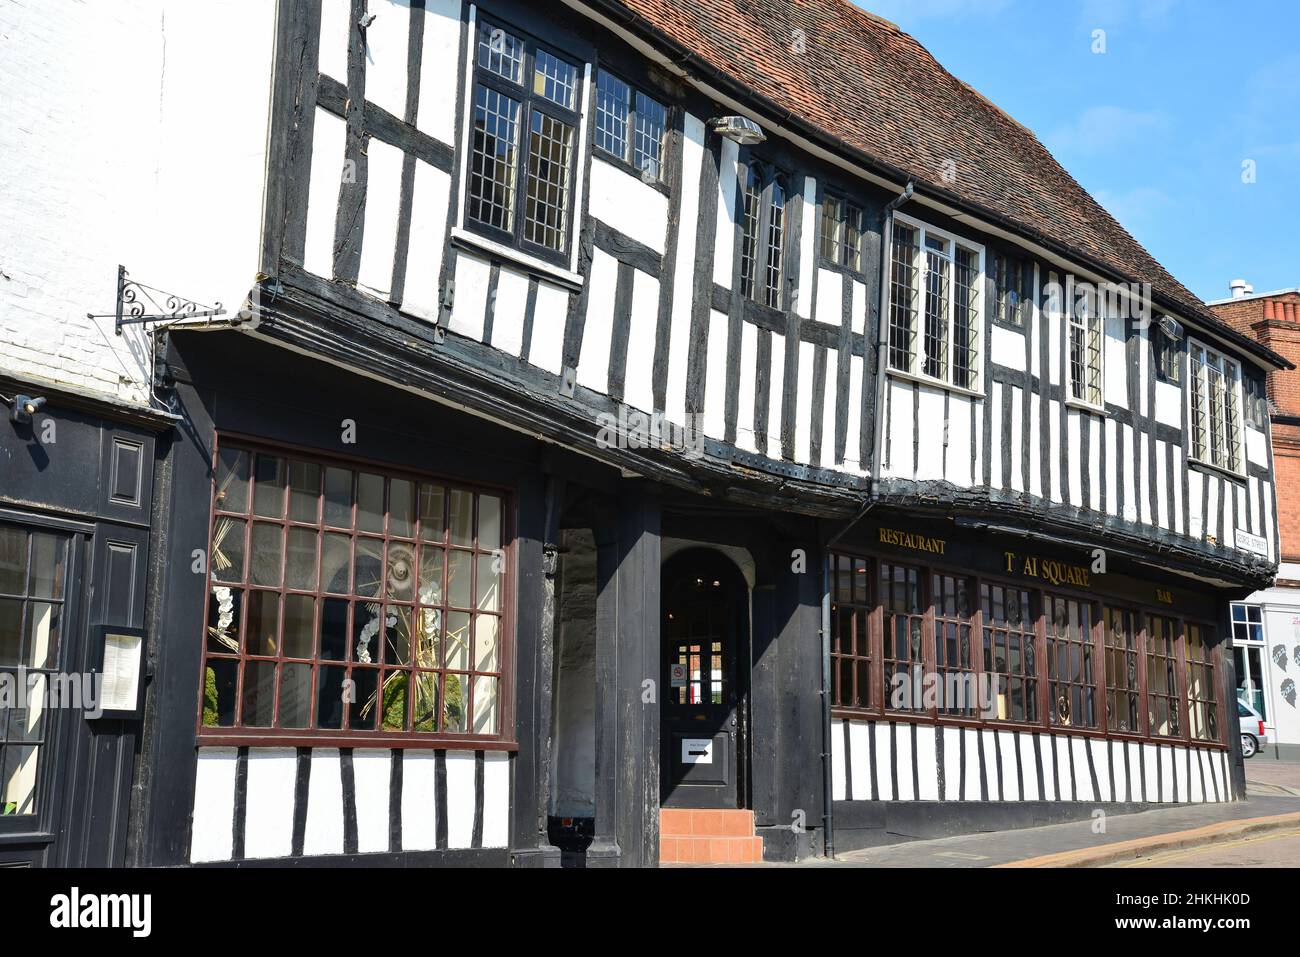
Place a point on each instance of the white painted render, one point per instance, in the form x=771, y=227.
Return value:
x=126, y=170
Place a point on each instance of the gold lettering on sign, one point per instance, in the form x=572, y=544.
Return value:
x=1050, y=570
x=1164, y=595
x=918, y=543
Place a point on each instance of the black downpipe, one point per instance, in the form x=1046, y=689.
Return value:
x=828, y=795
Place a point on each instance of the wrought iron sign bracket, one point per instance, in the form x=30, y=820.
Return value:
x=132, y=297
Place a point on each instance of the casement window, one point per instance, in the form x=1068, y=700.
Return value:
x=33, y=572
x=1247, y=623
x=630, y=126
x=1084, y=350
x=1202, y=689
x=1071, y=685
x=1162, y=677
x=1013, y=281
x=1215, y=416
x=1008, y=651
x=851, y=638
x=903, y=628
x=1123, y=693
x=951, y=645
x=347, y=602
x=525, y=114
x=1166, y=340
x=954, y=665
x=1256, y=401
x=763, y=235
x=841, y=233
x=935, y=305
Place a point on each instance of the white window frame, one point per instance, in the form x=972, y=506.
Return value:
x=920, y=290
x=1198, y=393
x=1070, y=321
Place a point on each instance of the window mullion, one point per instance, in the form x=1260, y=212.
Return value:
x=916, y=349
x=950, y=317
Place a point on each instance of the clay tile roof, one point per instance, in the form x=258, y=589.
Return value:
x=864, y=82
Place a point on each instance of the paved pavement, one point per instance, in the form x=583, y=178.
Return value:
x=1265, y=775
x=1003, y=847
x=1273, y=849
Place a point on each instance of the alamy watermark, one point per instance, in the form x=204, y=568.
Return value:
x=38, y=691
x=636, y=430
x=952, y=692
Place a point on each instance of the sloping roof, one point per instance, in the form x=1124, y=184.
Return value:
x=858, y=79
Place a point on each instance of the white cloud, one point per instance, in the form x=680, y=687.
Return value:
x=1106, y=128
x=1136, y=208
x=1106, y=13
x=901, y=11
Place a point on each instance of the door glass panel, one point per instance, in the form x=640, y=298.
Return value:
x=33, y=572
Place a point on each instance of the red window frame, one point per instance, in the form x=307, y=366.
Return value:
x=1093, y=673
x=399, y=545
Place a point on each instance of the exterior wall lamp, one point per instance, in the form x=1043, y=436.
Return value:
x=740, y=129
x=24, y=407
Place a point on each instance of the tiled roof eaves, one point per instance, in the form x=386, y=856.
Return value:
x=1185, y=305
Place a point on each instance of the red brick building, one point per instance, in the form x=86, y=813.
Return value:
x=1266, y=626
x=1273, y=319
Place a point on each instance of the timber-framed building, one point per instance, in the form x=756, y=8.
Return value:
x=646, y=409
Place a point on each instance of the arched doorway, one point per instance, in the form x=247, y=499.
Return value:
x=705, y=641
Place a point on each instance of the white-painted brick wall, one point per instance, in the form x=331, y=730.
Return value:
x=133, y=132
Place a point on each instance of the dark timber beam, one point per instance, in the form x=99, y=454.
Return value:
x=627, y=679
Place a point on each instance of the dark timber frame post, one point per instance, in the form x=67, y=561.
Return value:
x=533, y=847
x=627, y=678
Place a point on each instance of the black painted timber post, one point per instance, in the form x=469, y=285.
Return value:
x=627, y=679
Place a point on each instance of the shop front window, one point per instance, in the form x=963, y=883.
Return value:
x=954, y=645
x=904, y=625
x=1071, y=686
x=346, y=601
x=1123, y=695
x=1009, y=651
x=851, y=638
x=956, y=687
x=33, y=569
x=1202, y=693
x=1162, y=677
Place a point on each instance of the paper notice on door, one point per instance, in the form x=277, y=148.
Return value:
x=120, y=687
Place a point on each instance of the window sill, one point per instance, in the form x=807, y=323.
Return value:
x=934, y=383
x=1017, y=328
x=1210, y=468
x=1087, y=407
x=465, y=239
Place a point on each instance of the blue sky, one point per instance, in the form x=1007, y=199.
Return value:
x=1159, y=125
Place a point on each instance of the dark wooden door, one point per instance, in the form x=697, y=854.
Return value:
x=705, y=628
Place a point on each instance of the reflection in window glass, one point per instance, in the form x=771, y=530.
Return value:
x=381, y=586
x=501, y=53
x=1162, y=677
x=1071, y=684
x=555, y=79
x=900, y=599
x=33, y=572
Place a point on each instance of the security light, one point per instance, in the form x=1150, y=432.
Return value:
x=738, y=128
x=24, y=407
